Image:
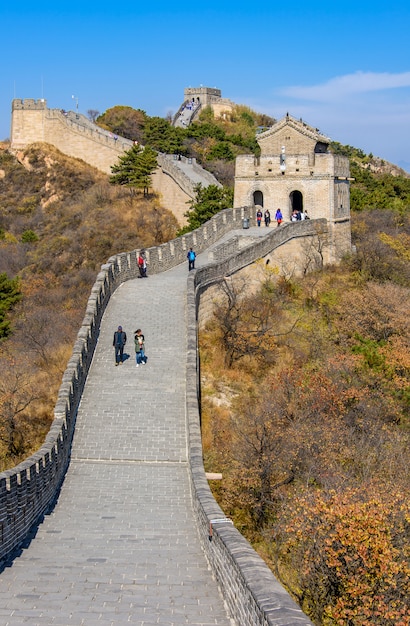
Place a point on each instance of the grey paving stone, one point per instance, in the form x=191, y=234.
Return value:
x=121, y=545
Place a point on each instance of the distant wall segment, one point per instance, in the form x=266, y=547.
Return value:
x=74, y=135
x=71, y=133
x=28, y=491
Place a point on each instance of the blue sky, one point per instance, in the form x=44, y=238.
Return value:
x=343, y=67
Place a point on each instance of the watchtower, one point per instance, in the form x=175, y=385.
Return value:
x=202, y=97
x=27, y=122
x=297, y=172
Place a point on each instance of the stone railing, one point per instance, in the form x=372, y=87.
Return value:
x=210, y=178
x=28, y=491
x=253, y=594
x=169, y=165
x=79, y=124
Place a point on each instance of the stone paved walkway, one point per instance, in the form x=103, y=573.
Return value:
x=121, y=545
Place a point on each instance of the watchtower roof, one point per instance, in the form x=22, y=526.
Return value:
x=295, y=135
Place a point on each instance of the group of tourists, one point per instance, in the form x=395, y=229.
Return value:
x=296, y=216
x=267, y=218
x=119, y=341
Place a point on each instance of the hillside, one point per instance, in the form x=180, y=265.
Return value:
x=59, y=221
x=305, y=411
x=305, y=385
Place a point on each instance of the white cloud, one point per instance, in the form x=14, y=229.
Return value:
x=344, y=86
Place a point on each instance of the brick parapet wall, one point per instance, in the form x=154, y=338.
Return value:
x=28, y=491
x=76, y=136
x=251, y=591
x=71, y=133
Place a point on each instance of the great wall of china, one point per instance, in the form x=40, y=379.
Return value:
x=74, y=135
x=28, y=491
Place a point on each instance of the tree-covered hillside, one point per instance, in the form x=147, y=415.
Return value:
x=213, y=142
x=305, y=410
x=377, y=184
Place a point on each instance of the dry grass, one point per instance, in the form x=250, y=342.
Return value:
x=80, y=221
x=329, y=414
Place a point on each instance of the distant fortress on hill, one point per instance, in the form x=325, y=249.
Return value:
x=295, y=171
x=198, y=98
x=76, y=136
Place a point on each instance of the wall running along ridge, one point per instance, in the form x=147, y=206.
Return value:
x=76, y=136
x=29, y=490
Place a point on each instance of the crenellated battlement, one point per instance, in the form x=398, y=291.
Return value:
x=29, y=104
x=28, y=491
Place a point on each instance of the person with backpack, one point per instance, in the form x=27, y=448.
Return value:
x=119, y=341
x=191, y=256
x=139, y=341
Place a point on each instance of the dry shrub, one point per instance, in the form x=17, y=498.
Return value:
x=329, y=417
x=80, y=222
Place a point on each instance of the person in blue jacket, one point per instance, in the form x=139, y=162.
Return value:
x=191, y=256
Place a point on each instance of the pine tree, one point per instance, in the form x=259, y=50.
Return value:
x=9, y=295
x=207, y=202
x=134, y=168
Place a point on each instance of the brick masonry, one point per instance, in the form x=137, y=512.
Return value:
x=74, y=135
x=28, y=491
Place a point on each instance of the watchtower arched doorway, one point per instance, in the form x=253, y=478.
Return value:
x=296, y=201
x=258, y=198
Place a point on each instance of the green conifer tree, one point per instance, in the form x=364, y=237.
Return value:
x=9, y=295
x=134, y=168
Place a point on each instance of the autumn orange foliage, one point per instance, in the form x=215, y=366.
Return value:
x=313, y=442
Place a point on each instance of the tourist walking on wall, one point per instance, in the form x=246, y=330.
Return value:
x=191, y=256
x=142, y=265
x=119, y=341
x=259, y=217
x=267, y=217
x=278, y=217
x=139, y=341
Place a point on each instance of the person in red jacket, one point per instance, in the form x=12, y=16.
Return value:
x=142, y=265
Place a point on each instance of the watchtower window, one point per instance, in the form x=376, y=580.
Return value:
x=320, y=148
x=258, y=198
x=296, y=201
